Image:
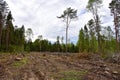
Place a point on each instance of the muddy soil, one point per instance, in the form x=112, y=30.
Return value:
x=50, y=66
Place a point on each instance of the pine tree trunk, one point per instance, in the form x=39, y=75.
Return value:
x=0, y=29
x=99, y=40
x=0, y=33
x=116, y=35
x=40, y=46
x=67, y=25
x=66, y=38
x=7, y=37
x=98, y=33
x=116, y=31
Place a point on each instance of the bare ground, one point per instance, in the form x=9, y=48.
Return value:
x=48, y=66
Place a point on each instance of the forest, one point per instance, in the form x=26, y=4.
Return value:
x=92, y=37
x=94, y=41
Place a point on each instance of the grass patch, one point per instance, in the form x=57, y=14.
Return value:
x=20, y=63
x=70, y=75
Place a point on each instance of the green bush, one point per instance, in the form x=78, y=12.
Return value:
x=14, y=48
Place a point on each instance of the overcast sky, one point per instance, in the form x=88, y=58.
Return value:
x=40, y=15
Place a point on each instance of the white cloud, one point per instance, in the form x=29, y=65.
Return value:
x=40, y=15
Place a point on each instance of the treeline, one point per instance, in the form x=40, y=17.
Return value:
x=11, y=37
x=88, y=41
x=93, y=37
x=46, y=46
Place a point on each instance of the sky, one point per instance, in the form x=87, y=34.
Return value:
x=41, y=16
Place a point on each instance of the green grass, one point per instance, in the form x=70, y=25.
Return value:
x=20, y=63
x=70, y=75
